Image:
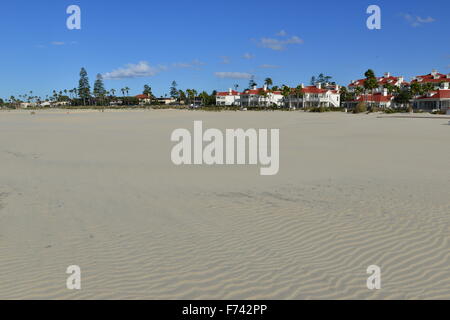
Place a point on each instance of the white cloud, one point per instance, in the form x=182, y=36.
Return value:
x=416, y=21
x=278, y=44
x=282, y=33
x=233, y=75
x=268, y=66
x=225, y=60
x=193, y=64
x=139, y=70
x=58, y=43
x=248, y=56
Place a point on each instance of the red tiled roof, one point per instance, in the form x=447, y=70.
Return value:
x=142, y=96
x=436, y=95
x=227, y=93
x=431, y=79
x=377, y=97
x=381, y=81
x=313, y=89
x=257, y=91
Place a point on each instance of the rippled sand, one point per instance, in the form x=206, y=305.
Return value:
x=98, y=190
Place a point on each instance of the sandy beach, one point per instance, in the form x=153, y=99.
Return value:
x=99, y=190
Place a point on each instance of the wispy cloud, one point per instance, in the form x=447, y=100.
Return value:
x=248, y=56
x=233, y=75
x=281, y=43
x=144, y=69
x=225, y=60
x=193, y=64
x=139, y=70
x=269, y=66
x=416, y=21
x=58, y=43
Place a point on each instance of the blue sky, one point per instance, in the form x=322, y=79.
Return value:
x=209, y=45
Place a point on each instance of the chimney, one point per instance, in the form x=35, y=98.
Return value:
x=387, y=74
x=254, y=87
x=303, y=86
x=445, y=85
x=319, y=85
x=385, y=92
x=265, y=87
x=230, y=92
x=434, y=72
x=401, y=79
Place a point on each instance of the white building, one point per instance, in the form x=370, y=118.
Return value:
x=435, y=100
x=436, y=78
x=228, y=98
x=387, y=79
x=261, y=97
x=314, y=96
x=381, y=100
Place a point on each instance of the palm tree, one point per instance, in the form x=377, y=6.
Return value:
x=262, y=93
x=268, y=82
x=286, y=92
x=299, y=93
x=194, y=93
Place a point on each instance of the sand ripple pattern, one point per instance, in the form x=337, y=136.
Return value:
x=284, y=244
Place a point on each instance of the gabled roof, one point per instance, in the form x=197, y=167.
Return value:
x=258, y=90
x=142, y=96
x=436, y=95
x=377, y=97
x=381, y=81
x=314, y=90
x=430, y=78
x=228, y=93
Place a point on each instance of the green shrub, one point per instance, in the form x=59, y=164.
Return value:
x=361, y=107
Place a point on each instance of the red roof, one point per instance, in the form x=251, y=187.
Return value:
x=257, y=91
x=313, y=89
x=430, y=78
x=228, y=93
x=381, y=81
x=142, y=96
x=377, y=97
x=436, y=95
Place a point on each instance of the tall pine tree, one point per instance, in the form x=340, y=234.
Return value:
x=84, y=89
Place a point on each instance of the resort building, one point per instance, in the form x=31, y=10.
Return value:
x=261, y=97
x=314, y=96
x=228, y=98
x=387, y=79
x=438, y=100
x=434, y=77
x=381, y=100
x=144, y=99
x=166, y=101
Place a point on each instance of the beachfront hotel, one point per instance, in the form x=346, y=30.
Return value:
x=329, y=95
x=228, y=98
x=434, y=77
x=386, y=79
x=434, y=100
x=380, y=100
